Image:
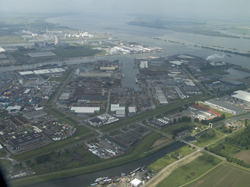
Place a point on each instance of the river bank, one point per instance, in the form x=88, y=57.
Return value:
x=69, y=177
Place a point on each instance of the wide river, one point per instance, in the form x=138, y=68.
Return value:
x=116, y=25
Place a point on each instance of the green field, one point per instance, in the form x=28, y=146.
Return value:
x=3, y=153
x=166, y=160
x=223, y=175
x=205, y=141
x=5, y=164
x=190, y=171
x=242, y=69
x=9, y=38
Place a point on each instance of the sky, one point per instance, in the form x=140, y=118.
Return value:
x=174, y=8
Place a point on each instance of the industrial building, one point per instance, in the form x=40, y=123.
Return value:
x=85, y=110
x=112, y=68
x=232, y=82
x=225, y=106
x=160, y=95
x=144, y=64
x=132, y=110
x=18, y=142
x=119, y=110
x=13, y=109
x=241, y=95
x=95, y=74
x=41, y=54
x=64, y=96
x=42, y=71
x=34, y=114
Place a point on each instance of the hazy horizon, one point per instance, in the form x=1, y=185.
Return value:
x=223, y=9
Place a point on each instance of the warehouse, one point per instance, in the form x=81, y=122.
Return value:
x=18, y=142
x=35, y=114
x=85, y=110
x=241, y=95
x=119, y=110
x=225, y=106
x=232, y=82
x=132, y=110
x=64, y=96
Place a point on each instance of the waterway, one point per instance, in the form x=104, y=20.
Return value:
x=87, y=179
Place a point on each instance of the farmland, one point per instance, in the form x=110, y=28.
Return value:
x=243, y=155
x=223, y=175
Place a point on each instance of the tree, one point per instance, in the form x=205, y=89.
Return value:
x=210, y=158
x=196, y=120
x=246, y=122
x=173, y=137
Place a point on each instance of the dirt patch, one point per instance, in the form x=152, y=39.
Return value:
x=170, y=168
x=160, y=141
x=243, y=155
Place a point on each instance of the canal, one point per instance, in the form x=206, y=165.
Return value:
x=86, y=179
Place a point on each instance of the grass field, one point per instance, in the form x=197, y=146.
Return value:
x=223, y=175
x=166, y=160
x=5, y=164
x=243, y=155
x=160, y=141
x=9, y=38
x=189, y=171
x=3, y=153
x=242, y=69
x=207, y=141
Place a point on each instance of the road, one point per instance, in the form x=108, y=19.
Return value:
x=165, y=172
x=196, y=81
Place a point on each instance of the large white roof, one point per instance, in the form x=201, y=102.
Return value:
x=85, y=109
x=135, y=182
x=42, y=71
x=132, y=109
x=16, y=107
x=115, y=107
x=25, y=72
x=243, y=95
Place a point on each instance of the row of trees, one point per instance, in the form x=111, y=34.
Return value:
x=241, y=140
x=183, y=128
x=206, y=122
x=237, y=161
x=210, y=133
